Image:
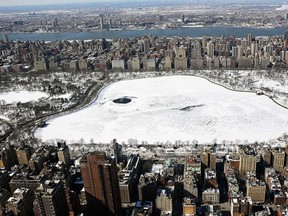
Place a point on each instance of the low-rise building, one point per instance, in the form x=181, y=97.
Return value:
x=255, y=188
x=21, y=203
x=211, y=195
x=164, y=200
x=189, y=206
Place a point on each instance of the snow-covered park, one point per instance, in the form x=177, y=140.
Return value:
x=171, y=108
x=22, y=96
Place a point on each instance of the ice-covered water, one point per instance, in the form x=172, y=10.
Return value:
x=171, y=108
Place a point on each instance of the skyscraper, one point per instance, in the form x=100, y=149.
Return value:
x=278, y=159
x=244, y=44
x=21, y=203
x=55, y=22
x=254, y=48
x=110, y=23
x=117, y=151
x=51, y=199
x=247, y=164
x=101, y=184
x=240, y=52
x=234, y=51
x=180, y=60
x=183, y=18
x=249, y=39
x=101, y=23
x=24, y=154
x=210, y=49
x=63, y=153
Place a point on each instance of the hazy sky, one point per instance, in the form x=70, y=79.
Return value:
x=44, y=2
x=41, y=2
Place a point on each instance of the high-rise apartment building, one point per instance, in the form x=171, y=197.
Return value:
x=21, y=203
x=8, y=157
x=266, y=157
x=247, y=164
x=210, y=49
x=254, y=48
x=64, y=154
x=101, y=184
x=101, y=23
x=240, y=52
x=249, y=39
x=51, y=199
x=244, y=44
x=180, y=58
x=117, y=151
x=255, y=188
x=278, y=159
x=24, y=154
x=234, y=51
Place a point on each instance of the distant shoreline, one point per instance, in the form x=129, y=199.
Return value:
x=125, y=3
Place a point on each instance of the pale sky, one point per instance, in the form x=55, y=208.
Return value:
x=43, y=2
x=49, y=2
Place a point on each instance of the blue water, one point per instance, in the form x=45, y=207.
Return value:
x=192, y=32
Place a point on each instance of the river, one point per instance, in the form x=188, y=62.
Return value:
x=182, y=32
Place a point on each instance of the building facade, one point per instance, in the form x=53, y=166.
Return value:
x=101, y=184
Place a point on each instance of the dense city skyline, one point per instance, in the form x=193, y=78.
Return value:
x=144, y=107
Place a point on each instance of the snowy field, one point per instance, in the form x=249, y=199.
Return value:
x=22, y=96
x=171, y=108
x=270, y=84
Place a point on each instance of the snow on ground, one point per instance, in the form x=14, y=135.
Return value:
x=3, y=128
x=4, y=118
x=273, y=85
x=65, y=96
x=171, y=108
x=22, y=96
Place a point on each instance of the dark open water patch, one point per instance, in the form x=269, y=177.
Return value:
x=122, y=100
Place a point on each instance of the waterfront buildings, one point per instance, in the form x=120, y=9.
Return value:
x=145, y=53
